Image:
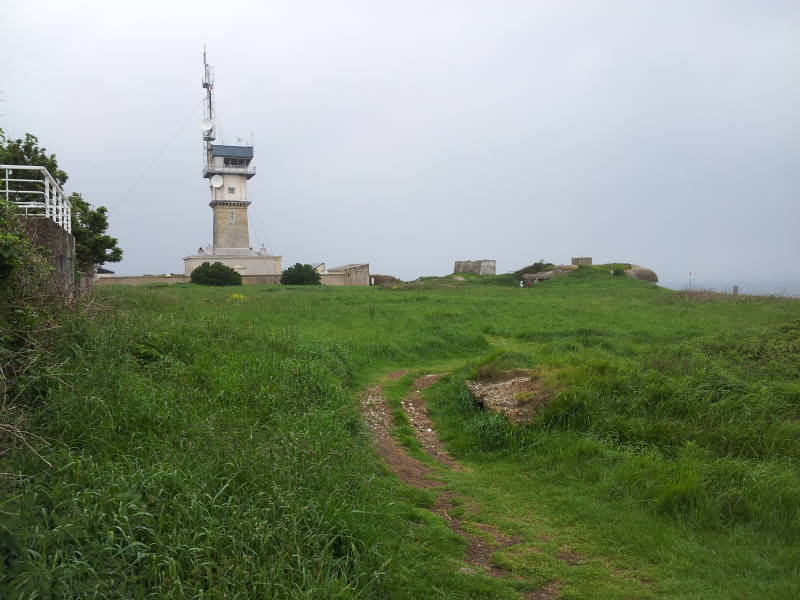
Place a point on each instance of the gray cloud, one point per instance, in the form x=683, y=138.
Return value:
x=410, y=134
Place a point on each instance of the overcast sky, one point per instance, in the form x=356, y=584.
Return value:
x=411, y=134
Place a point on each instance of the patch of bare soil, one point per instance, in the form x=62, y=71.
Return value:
x=516, y=395
x=417, y=412
x=479, y=552
x=378, y=417
x=570, y=557
x=547, y=592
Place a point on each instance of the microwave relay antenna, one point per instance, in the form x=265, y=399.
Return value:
x=207, y=124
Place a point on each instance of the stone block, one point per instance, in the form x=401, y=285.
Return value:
x=479, y=267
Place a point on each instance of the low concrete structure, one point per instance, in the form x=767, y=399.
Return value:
x=353, y=274
x=46, y=233
x=582, y=260
x=141, y=279
x=244, y=261
x=479, y=267
x=145, y=279
x=642, y=273
x=261, y=279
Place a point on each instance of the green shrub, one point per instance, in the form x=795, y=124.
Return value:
x=537, y=267
x=300, y=275
x=215, y=274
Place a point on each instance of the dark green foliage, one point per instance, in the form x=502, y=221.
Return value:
x=299, y=274
x=26, y=151
x=14, y=244
x=93, y=246
x=24, y=269
x=215, y=274
x=26, y=305
x=618, y=271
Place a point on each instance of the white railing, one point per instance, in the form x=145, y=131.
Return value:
x=212, y=169
x=48, y=199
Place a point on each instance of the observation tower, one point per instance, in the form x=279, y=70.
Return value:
x=228, y=168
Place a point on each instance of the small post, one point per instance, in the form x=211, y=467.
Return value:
x=47, y=211
x=736, y=290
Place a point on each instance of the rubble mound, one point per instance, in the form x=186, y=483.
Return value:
x=517, y=395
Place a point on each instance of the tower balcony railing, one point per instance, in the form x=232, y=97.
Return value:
x=36, y=194
x=212, y=169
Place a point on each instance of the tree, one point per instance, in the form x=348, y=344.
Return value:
x=28, y=152
x=92, y=246
x=89, y=225
x=215, y=274
x=300, y=275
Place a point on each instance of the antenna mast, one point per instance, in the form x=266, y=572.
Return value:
x=208, y=85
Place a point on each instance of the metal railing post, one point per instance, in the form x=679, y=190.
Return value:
x=47, y=212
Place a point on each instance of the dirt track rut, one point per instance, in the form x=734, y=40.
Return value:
x=414, y=472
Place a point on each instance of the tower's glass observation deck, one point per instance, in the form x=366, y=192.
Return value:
x=232, y=160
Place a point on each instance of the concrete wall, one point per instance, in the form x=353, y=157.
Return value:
x=346, y=275
x=261, y=279
x=251, y=265
x=61, y=244
x=356, y=275
x=230, y=225
x=145, y=279
x=350, y=275
x=141, y=279
x=479, y=267
x=334, y=278
x=582, y=260
x=230, y=180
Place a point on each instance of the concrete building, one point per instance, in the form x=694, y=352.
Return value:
x=354, y=274
x=228, y=169
x=479, y=267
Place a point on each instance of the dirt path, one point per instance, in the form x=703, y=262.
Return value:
x=378, y=416
x=417, y=412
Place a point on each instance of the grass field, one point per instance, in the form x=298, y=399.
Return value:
x=206, y=443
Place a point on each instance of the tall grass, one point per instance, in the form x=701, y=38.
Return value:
x=206, y=447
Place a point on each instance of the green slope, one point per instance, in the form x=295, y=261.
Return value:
x=205, y=446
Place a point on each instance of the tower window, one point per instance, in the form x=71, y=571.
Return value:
x=231, y=217
x=231, y=190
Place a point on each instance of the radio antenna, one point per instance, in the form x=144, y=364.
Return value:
x=207, y=124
